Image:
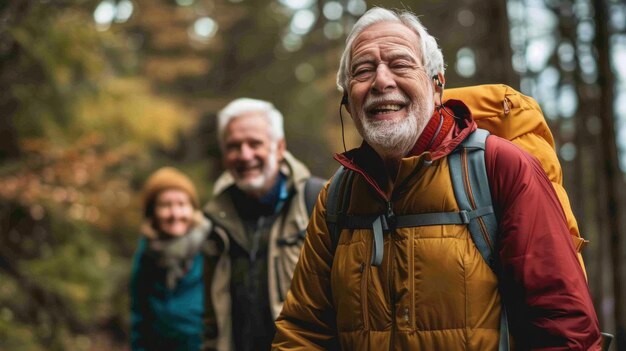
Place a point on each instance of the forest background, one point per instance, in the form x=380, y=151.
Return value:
x=96, y=94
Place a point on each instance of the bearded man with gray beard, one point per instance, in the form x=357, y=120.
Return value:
x=389, y=261
x=259, y=217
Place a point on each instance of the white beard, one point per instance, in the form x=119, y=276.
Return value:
x=394, y=139
x=260, y=181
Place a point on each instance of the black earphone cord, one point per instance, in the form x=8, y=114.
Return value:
x=343, y=136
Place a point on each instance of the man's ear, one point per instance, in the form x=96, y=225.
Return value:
x=439, y=82
x=281, y=146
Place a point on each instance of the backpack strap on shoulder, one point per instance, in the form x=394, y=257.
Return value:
x=332, y=199
x=471, y=190
x=468, y=172
x=342, y=179
x=312, y=188
x=332, y=213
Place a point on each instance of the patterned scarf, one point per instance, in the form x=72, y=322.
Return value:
x=176, y=254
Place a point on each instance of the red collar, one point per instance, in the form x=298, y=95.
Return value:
x=434, y=133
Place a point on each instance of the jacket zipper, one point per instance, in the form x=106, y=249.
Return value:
x=411, y=314
x=279, y=287
x=392, y=295
x=390, y=214
x=255, y=239
x=254, y=249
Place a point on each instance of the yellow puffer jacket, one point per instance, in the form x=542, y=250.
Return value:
x=445, y=295
x=430, y=271
x=433, y=290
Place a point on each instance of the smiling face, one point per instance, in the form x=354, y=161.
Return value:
x=173, y=212
x=250, y=154
x=391, y=98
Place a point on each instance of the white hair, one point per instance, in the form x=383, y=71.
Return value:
x=240, y=106
x=432, y=57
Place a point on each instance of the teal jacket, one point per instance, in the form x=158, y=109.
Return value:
x=163, y=319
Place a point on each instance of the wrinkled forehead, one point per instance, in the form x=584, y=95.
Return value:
x=386, y=34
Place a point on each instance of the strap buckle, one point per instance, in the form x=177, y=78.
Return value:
x=465, y=218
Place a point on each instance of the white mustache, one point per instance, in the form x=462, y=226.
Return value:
x=371, y=101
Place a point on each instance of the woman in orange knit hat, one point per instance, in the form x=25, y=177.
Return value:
x=166, y=282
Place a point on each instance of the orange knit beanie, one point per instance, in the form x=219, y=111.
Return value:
x=167, y=178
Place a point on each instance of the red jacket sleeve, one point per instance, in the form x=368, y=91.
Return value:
x=542, y=283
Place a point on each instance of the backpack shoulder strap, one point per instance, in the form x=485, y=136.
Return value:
x=312, y=188
x=471, y=189
x=468, y=172
x=341, y=179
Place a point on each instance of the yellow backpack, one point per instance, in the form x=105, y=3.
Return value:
x=509, y=114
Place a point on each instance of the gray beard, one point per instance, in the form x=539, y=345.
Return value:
x=394, y=139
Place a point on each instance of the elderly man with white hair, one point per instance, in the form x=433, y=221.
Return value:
x=404, y=270
x=259, y=213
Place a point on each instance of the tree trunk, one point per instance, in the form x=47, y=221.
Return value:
x=610, y=158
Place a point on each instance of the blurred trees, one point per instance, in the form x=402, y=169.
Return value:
x=76, y=133
x=613, y=178
x=567, y=59
x=98, y=93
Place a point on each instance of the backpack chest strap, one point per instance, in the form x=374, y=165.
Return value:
x=380, y=223
x=412, y=220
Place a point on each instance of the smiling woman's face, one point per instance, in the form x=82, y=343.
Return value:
x=173, y=212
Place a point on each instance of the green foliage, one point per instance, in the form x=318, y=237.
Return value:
x=60, y=60
x=70, y=215
x=126, y=112
x=16, y=336
x=81, y=266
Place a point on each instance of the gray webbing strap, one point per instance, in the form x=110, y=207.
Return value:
x=312, y=188
x=379, y=224
x=333, y=214
x=414, y=220
x=476, y=175
x=503, y=344
x=377, y=247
